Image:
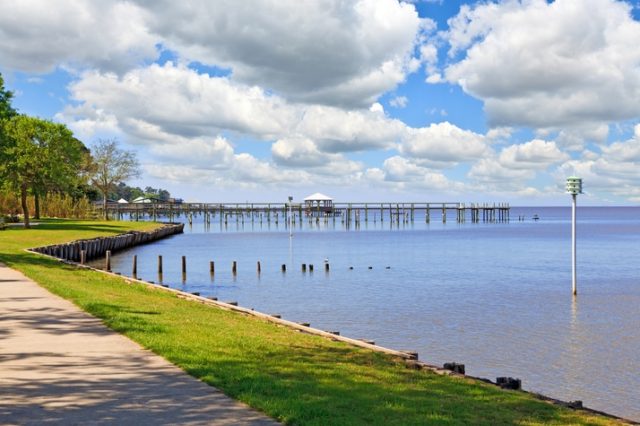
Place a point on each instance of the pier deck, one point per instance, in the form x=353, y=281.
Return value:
x=354, y=212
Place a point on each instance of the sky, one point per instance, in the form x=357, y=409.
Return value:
x=363, y=100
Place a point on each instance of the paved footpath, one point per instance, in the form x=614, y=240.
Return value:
x=59, y=365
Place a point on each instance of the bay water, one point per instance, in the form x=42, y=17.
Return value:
x=493, y=296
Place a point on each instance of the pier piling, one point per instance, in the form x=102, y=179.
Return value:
x=107, y=260
x=454, y=366
x=134, y=267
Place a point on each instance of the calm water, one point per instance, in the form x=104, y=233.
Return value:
x=496, y=297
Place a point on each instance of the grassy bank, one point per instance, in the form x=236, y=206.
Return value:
x=297, y=378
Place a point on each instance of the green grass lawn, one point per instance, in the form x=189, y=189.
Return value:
x=294, y=377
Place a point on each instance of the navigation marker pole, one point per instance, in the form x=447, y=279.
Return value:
x=290, y=216
x=574, y=187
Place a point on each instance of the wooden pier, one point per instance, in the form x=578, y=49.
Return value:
x=346, y=213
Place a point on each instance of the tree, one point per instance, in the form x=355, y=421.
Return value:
x=67, y=168
x=164, y=195
x=36, y=155
x=6, y=110
x=111, y=166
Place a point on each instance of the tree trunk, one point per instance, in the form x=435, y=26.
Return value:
x=25, y=208
x=105, y=216
x=36, y=198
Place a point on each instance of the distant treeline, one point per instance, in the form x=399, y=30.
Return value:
x=130, y=193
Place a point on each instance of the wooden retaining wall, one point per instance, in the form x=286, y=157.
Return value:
x=97, y=247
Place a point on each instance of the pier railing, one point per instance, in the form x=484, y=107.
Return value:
x=349, y=212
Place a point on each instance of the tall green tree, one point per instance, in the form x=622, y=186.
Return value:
x=6, y=110
x=111, y=166
x=36, y=155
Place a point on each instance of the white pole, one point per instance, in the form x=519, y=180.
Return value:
x=573, y=244
x=290, y=217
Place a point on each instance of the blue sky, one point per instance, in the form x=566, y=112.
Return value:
x=369, y=100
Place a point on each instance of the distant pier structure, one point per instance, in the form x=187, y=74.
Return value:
x=315, y=208
x=318, y=205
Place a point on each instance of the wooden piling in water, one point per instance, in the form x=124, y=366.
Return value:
x=134, y=267
x=234, y=268
x=107, y=265
x=184, y=265
x=259, y=268
x=455, y=367
x=212, y=267
x=283, y=268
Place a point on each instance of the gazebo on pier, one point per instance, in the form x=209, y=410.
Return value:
x=318, y=205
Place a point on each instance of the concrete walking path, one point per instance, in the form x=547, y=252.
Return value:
x=60, y=365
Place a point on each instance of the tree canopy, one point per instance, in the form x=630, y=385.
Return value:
x=129, y=193
x=38, y=155
x=111, y=166
x=6, y=110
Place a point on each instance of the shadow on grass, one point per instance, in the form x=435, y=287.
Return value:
x=76, y=225
x=88, y=226
x=24, y=258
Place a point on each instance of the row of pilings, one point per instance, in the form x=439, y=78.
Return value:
x=84, y=250
x=346, y=213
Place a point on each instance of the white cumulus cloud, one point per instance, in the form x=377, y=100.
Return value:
x=172, y=99
x=516, y=164
x=331, y=51
x=443, y=145
x=337, y=130
x=536, y=154
x=40, y=35
x=548, y=64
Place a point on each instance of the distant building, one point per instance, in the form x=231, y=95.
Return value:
x=318, y=205
x=122, y=201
